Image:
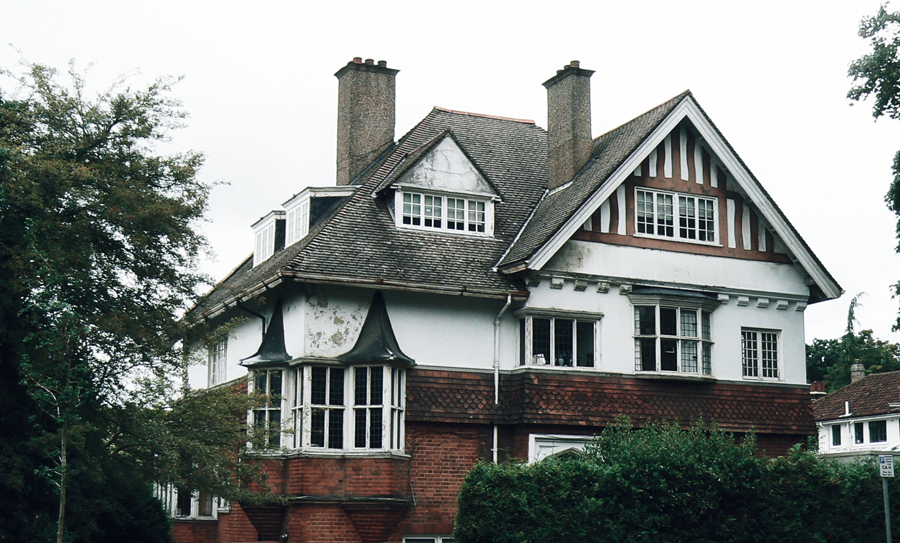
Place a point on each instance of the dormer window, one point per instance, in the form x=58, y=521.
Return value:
x=297, y=222
x=447, y=213
x=268, y=233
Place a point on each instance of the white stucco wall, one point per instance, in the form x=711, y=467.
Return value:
x=849, y=449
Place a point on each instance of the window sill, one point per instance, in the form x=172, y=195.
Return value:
x=325, y=453
x=673, y=376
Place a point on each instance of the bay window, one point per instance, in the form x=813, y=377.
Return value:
x=267, y=417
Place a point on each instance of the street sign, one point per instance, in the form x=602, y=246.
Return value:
x=886, y=464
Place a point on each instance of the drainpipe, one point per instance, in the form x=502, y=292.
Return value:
x=497, y=365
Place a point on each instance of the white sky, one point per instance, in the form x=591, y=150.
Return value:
x=259, y=85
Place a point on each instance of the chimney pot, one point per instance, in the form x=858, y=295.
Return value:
x=558, y=72
x=357, y=60
x=370, y=62
x=382, y=63
x=575, y=64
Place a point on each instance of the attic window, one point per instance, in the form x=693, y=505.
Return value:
x=681, y=217
x=456, y=213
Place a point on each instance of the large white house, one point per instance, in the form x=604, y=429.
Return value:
x=483, y=288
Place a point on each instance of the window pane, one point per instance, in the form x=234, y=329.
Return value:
x=375, y=427
x=359, y=427
x=858, y=432
x=456, y=213
x=359, y=397
x=563, y=342
x=665, y=220
x=522, y=345
x=707, y=359
x=377, y=383
x=476, y=216
x=585, y=344
x=336, y=386
x=668, y=321
x=645, y=219
x=750, y=354
x=688, y=323
x=877, y=431
x=275, y=383
x=319, y=376
x=836, y=435
x=645, y=321
x=645, y=354
x=336, y=429
x=668, y=356
x=317, y=428
x=540, y=343
x=706, y=220
x=689, y=356
x=706, y=327
x=433, y=211
x=687, y=217
x=274, y=428
x=769, y=352
x=259, y=383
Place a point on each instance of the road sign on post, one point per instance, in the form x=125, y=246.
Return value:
x=886, y=465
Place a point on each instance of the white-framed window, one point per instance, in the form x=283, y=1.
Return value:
x=672, y=339
x=297, y=222
x=217, y=355
x=181, y=502
x=267, y=417
x=428, y=539
x=345, y=409
x=447, y=213
x=877, y=431
x=759, y=354
x=677, y=216
x=559, y=340
x=836, y=435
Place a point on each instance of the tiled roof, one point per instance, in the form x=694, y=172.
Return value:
x=869, y=396
x=580, y=399
x=609, y=151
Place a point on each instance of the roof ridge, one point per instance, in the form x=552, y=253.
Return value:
x=497, y=117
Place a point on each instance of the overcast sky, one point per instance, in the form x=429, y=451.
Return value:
x=260, y=88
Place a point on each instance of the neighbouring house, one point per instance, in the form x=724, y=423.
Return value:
x=484, y=289
x=862, y=419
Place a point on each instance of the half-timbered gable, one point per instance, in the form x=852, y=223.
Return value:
x=483, y=289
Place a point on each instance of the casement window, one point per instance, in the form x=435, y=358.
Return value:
x=265, y=244
x=858, y=437
x=681, y=217
x=759, y=354
x=445, y=213
x=568, y=341
x=877, y=431
x=297, y=222
x=672, y=339
x=357, y=408
x=267, y=417
x=217, y=356
x=836, y=435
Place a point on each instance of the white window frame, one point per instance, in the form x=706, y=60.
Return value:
x=759, y=360
x=564, y=360
x=217, y=358
x=648, y=217
x=701, y=338
x=297, y=226
x=430, y=211
x=345, y=410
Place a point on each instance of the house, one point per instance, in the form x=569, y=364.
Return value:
x=483, y=289
x=862, y=419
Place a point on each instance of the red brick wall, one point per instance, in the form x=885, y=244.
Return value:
x=193, y=531
x=348, y=476
x=441, y=457
x=234, y=526
x=320, y=524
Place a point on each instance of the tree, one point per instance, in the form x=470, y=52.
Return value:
x=877, y=75
x=98, y=253
x=829, y=360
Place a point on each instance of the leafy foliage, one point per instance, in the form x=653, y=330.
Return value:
x=876, y=75
x=98, y=253
x=663, y=483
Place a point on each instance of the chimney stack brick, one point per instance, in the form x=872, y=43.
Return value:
x=366, y=115
x=569, y=142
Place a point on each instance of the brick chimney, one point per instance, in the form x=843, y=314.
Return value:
x=366, y=108
x=568, y=122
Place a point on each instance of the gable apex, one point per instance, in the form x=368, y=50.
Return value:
x=606, y=178
x=442, y=165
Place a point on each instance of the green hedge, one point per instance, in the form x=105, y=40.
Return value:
x=665, y=484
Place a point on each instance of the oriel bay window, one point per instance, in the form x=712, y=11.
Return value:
x=355, y=408
x=672, y=331
x=560, y=339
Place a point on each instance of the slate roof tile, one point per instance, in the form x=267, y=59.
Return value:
x=869, y=396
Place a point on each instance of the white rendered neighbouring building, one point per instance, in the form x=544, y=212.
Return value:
x=483, y=289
